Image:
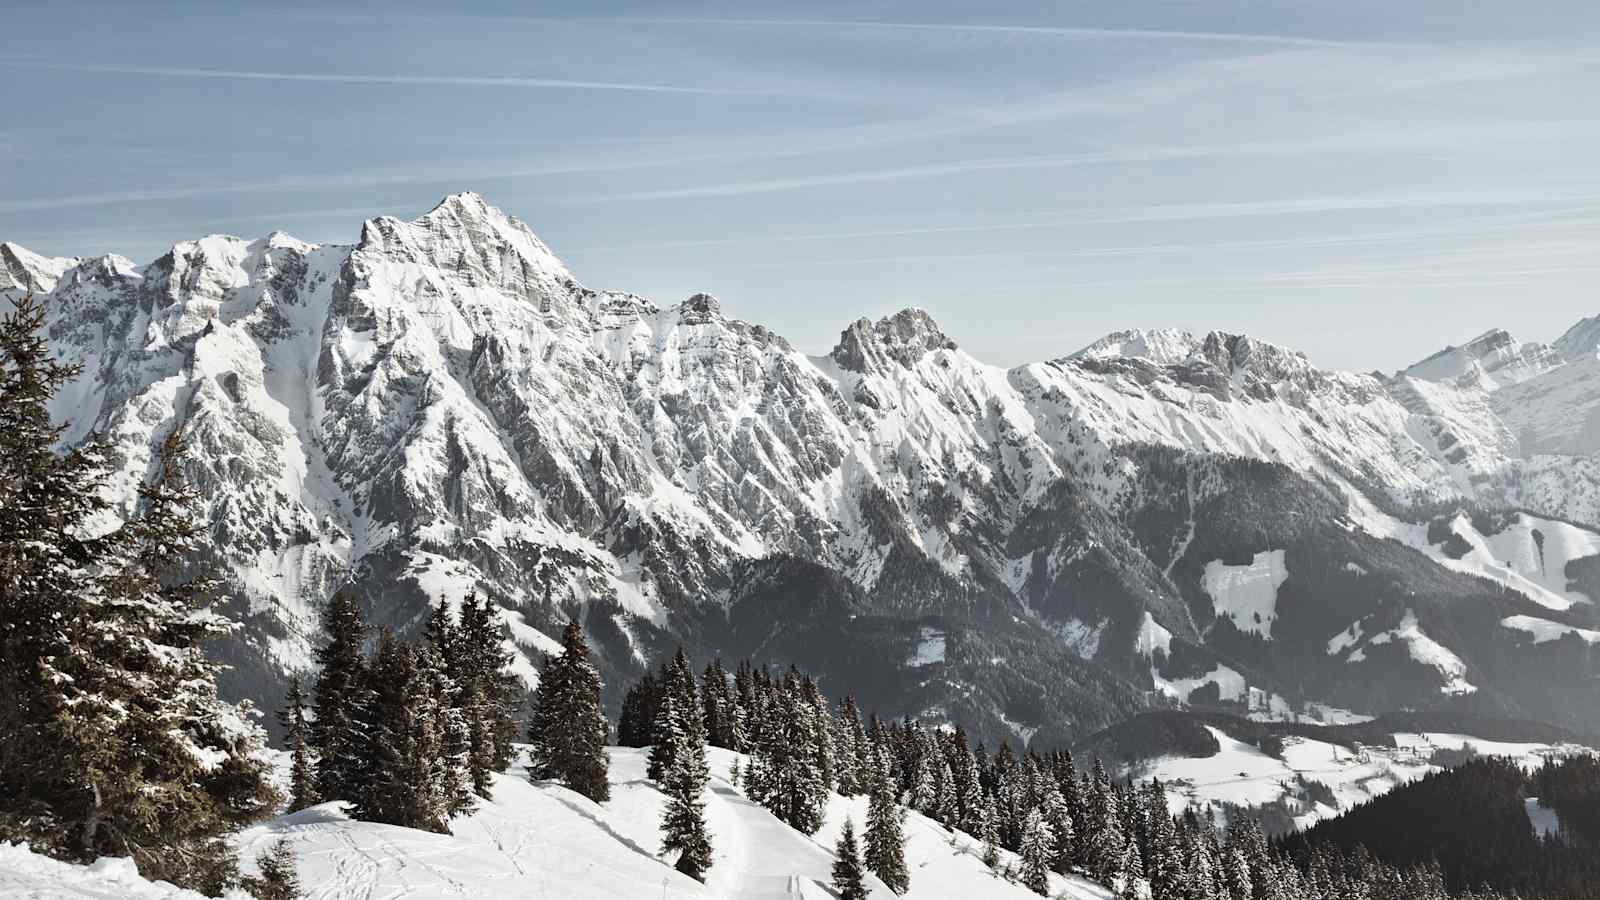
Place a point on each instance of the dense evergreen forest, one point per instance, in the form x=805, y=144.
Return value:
x=1471, y=822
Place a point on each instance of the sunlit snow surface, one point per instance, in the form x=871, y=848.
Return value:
x=543, y=841
x=1242, y=774
x=1248, y=594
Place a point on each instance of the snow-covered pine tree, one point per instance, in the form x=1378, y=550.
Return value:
x=1163, y=864
x=302, y=769
x=567, y=731
x=442, y=633
x=113, y=739
x=1038, y=851
x=1236, y=876
x=403, y=753
x=822, y=746
x=484, y=662
x=969, y=791
x=1105, y=843
x=783, y=775
x=46, y=559
x=944, y=794
x=1246, y=836
x=1200, y=870
x=989, y=833
x=885, y=837
x=339, y=696
x=278, y=879
x=481, y=740
x=683, y=781
x=678, y=683
x=1059, y=818
x=453, y=726
x=851, y=745
x=849, y=876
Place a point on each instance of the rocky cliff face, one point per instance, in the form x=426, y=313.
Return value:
x=442, y=408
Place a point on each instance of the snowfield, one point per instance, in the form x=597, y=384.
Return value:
x=1248, y=594
x=1241, y=774
x=544, y=841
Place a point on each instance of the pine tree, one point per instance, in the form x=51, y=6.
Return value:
x=852, y=749
x=302, y=771
x=1162, y=862
x=46, y=503
x=678, y=684
x=969, y=789
x=683, y=821
x=848, y=872
x=112, y=737
x=402, y=753
x=822, y=746
x=784, y=775
x=567, y=731
x=1236, y=875
x=1106, y=841
x=640, y=706
x=1038, y=851
x=339, y=698
x=278, y=879
x=989, y=832
x=886, y=845
x=481, y=740
x=1059, y=818
x=451, y=722
x=484, y=661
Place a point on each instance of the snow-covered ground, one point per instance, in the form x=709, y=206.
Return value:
x=1248, y=594
x=543, y=841
x=25, y=875
x=1242, y=774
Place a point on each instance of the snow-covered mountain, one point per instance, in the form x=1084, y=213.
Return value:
x=442, y=407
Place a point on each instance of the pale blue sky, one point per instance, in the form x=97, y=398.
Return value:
x=1361, y=180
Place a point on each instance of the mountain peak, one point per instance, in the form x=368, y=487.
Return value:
x=23, y=270
x=1489, y=361
x=1581, y=340
x=902, y=338
x=464, y=231
x=1163, y=346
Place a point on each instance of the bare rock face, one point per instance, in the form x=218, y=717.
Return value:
x=442, y=408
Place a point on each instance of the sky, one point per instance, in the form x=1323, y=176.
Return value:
x=1364, y=181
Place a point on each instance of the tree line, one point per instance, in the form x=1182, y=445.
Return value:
x=1049, y=815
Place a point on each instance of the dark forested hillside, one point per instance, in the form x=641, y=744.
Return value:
x=1473, y=821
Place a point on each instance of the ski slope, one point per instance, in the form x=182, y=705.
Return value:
x=544, y=841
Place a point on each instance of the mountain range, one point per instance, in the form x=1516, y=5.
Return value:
x=1159, y=519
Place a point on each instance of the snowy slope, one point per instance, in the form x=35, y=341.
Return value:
x=1489, y=361
x=1240, y=774
x=543, y=841
x=25, y=875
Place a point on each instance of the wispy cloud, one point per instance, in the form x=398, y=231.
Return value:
x=1053, y=31
x=1448, y=137
x=354, y=78
x=1183, y=212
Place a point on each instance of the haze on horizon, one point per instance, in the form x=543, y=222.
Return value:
x=1358, y=181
